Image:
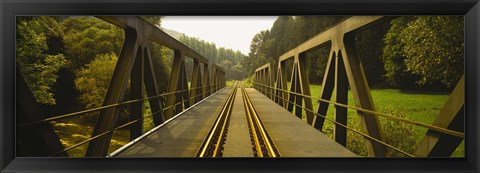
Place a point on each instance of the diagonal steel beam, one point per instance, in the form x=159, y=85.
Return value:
x=326, y=91
x=451, y=116
x=108, y=117
x=369, y=123
x=33, y=141
x=156, y=105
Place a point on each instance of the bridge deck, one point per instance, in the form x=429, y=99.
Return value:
x=183, y=136
x=292, y=136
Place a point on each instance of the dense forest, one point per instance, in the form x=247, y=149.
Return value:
x=408, y=52
x=412, y=53
x=226, y=58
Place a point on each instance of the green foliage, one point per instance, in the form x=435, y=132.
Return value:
x=230, y=83
x=87, y=37
x=162, y=59
x=206, y=49
x=147, y=114
x=84, y=50
x=397, y=103
x=38, y=67
x=424, y=50
x=398, y=134
x=434, y=48
x=369, y=44
x=228, y=59
x=92, y=81
x=248, y=82
x=286, y=33
x=392, y=58
x=259, y=47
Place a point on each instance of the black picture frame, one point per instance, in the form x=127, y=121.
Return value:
x=9, y=9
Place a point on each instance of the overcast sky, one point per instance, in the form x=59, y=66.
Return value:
x=234, y=32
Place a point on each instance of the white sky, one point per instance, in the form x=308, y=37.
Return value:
x=234, y=32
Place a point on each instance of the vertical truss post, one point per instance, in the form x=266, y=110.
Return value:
x=254, y=80
x=266, y=82
x=257, y=80
x=175, y=75
x=214, y=79
x=195, y=82
x=282, y=84
x=206, y=81
x=262, y=73
x=341, y=96
x=136, y=92
x=262, y=81
x=185, y=92
x=179, y=93
x=217, y=76
x=304, y=87
x=271, y=83
x=298, y=99
x=293, y=82
x=451, y=116
x=223, y=79
x=369, y=123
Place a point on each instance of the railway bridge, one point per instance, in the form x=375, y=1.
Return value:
x=206, y=118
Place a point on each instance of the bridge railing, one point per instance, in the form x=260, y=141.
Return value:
x=134, y=64
x=344, y=69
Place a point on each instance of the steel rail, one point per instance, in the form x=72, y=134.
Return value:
x=225, y=122
x=251, y=126
x=256, y=122
x=113, y=154
x=436, y=128
x=215, y=129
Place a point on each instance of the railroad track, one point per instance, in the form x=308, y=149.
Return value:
x=262, y=144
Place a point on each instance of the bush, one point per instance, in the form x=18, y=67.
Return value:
x=248, y=82
x=398, y=134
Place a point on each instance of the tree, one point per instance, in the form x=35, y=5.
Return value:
x=87, y=37
x=286, y=33
x=424, y=50
x=433, y=48
x=37, y=65
x=226, y=58
x=393, y=59
x=93, y=80
x=162, y=59
x=369, y=44
x=258, y=48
